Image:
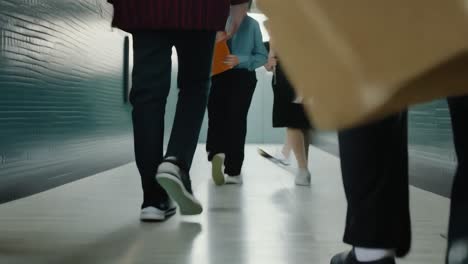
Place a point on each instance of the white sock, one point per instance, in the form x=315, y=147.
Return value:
x=281, y=155
x=372, y=254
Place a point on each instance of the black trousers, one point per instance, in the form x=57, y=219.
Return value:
x=151, y=84
x=374, y=160
x=228, y=107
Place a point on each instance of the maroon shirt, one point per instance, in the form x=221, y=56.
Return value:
x=172, y=14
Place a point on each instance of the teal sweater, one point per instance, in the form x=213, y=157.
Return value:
x=247, y=45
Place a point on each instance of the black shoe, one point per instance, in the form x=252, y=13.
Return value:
x=350, y=258
x=159, y=212
x=177, y=184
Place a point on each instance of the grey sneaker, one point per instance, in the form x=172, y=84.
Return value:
x=350, y=258
x=217, y=169
x=177, y=184
x=303, y=178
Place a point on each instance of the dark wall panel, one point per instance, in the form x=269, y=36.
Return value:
x=62, y=110
x=431, y=152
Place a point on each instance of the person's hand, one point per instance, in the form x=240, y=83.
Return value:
x=231, y=60
x=220, y=36
x=271, y=64
x=238, y=12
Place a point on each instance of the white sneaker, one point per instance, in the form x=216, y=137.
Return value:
x=281, y=158
x=151, y=213
x=234, y=179
x=303, y=178
x=217, y=169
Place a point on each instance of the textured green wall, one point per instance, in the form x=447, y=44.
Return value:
x=430, y=130
x=432, y=154
x=62, y=114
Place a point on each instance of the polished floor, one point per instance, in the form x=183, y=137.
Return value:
x=268, y=220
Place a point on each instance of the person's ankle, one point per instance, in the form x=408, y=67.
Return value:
x=285, y=153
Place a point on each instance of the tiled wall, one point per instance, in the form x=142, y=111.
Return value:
x=61, y=94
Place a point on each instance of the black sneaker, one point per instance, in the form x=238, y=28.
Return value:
x=350, y=258
x=177, y=184
x=160, y=212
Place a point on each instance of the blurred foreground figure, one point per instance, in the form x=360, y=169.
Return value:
x=357, y=62
x=360, y=64
x=374, y=162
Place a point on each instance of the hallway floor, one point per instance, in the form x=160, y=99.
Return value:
x=267, y=220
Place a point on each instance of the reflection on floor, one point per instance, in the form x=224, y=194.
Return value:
x=267, y=220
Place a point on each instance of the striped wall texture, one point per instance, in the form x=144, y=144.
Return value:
x=62, y=110
x=432, y=154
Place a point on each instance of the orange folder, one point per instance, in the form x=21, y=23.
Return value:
x=220, y=53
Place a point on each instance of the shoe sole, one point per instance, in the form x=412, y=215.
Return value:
x=264, y=154
x=217, y=170
x=233, y=182
x=301, y=183
x=188, y=205
x=270, y=157
x=150, y=217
